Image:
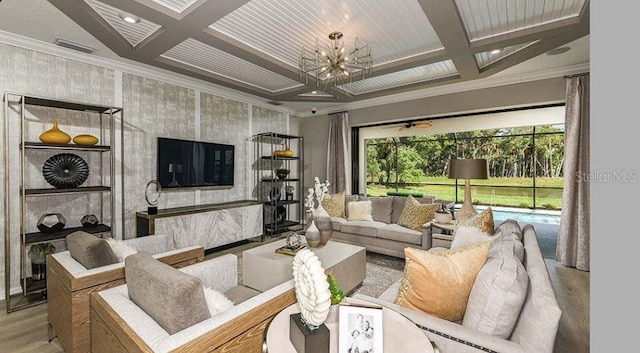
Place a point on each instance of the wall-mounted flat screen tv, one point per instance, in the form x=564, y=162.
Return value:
x=187, y=163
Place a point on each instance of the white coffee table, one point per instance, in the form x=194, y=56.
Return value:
x=400, y=335
x=263, y=268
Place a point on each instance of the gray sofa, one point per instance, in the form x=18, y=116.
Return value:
x=536, y=326
x=383, y=235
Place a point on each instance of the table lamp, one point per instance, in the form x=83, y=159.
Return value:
x=468, y=169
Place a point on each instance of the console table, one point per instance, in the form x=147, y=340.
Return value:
x=209, y=226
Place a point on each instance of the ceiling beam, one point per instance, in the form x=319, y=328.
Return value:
x=174, y=32
x=445, y=19
x=81, y=13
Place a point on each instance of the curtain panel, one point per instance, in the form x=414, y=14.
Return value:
x=573, y=249
x=337, y=152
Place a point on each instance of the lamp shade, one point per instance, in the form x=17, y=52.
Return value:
x=468, y=169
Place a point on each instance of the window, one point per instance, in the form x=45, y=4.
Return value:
x=525, y=165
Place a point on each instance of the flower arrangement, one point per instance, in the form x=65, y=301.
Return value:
x=38, y=252
x=318, y=192
x=282, y=172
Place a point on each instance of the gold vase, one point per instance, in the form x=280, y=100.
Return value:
x=85, y=140
x=55, y=135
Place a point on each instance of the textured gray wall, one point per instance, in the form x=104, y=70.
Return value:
x=151, y=108
x=26, y=71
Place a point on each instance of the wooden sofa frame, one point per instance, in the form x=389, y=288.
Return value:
x=69, y=297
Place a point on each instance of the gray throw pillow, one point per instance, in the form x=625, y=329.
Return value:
x=89, y=250
x=499, y=290
x=174, y=299
x=381, y=208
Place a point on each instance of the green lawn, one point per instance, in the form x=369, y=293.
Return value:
x=485, y=194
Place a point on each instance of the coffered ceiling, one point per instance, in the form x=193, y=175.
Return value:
x=254, y=45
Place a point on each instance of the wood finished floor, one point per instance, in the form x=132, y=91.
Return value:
x=25, y=331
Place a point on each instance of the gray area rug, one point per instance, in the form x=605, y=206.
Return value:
x=382, y=272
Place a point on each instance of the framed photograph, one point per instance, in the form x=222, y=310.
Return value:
x=360, y=329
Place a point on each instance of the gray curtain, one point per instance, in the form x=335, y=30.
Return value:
x=574, y=237
x=337, y=152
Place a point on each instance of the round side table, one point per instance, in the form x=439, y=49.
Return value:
x=400, y=334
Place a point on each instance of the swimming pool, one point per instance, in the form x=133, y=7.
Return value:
x=523, y=215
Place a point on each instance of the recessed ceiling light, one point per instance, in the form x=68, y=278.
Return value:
x=314, y=92
x=129, y=18
x=558, y=51
x=495, y=51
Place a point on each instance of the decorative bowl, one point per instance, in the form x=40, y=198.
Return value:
x=443, y=218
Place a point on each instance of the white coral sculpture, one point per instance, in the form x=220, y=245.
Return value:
x=312, y=288
x=318, y=192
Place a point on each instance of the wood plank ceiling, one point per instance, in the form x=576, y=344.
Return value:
x=254, y=45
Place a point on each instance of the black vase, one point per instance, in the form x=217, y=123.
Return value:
x=38, y=271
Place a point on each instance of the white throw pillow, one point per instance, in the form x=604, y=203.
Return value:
x=121, y=249
x=216, y=301
x=464, y=236
x=360, y=211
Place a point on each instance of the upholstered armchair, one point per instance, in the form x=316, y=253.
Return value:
x=121, y=325
x=69, y=285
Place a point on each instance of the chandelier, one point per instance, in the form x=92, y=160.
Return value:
x=335, y=64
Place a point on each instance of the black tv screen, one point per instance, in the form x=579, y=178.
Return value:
x=186, y=163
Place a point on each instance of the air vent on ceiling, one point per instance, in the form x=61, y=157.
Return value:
x=274, y=103
x=74, y=46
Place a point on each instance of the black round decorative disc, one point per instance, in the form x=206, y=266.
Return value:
x=65, y=170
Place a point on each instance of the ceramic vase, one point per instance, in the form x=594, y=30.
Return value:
x=324, y=224
x=55, y=135
x=312, y=235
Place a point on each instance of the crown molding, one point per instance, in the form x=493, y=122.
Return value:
x=453, y=88
x=135, y=68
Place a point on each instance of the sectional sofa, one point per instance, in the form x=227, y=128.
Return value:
x=537, y=318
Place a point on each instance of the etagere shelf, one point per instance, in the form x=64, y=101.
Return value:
x=283, y=211
x=23, y=184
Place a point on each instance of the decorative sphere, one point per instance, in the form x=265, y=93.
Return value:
x=51, y=223
x=89, y=221
x=294, y=240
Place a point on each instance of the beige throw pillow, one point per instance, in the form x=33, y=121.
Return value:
x=334, y=204
x=360, y=211
x=415, y=214
x=439, y=284
x=483, y=220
